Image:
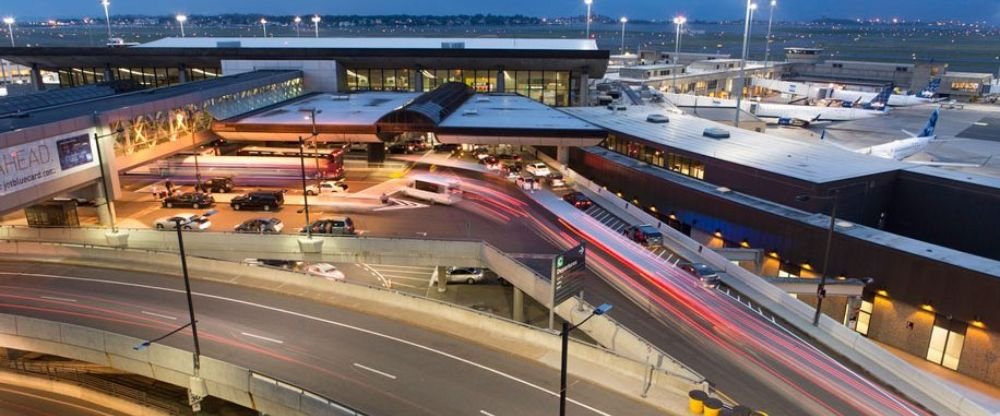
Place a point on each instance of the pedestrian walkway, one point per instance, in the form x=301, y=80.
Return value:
x=985, y=394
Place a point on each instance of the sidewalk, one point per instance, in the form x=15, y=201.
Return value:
x=985, y=394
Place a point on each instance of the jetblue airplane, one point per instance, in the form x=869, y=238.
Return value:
x=787, y=114
x=904, y=148
x=895, y=100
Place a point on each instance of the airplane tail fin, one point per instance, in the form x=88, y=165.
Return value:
x=932, y=88
x=928, y=130
x=881, y=101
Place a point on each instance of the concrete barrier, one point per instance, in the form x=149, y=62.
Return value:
x=916, y=384
x=167, y=364
x=68, y=389
x=663, y=386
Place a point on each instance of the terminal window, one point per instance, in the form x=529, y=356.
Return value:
x=675, y=162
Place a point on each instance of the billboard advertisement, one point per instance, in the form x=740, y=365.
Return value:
x=31, y=164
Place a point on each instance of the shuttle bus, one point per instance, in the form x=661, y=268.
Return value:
x=246, y=168
x=290, y=152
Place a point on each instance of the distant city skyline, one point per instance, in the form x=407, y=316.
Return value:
x=966, y=10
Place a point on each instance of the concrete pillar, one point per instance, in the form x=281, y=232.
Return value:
x=418, y=80
x=109, y=75
x=105, y=209
x=376, y=152
x=501, y=81
x=583, y=99
x=36, y=78
x=182, y=74
x=562, y=155
x=442, y=278
x=518, y=306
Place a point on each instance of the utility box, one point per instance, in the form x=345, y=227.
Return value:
x=53, y=214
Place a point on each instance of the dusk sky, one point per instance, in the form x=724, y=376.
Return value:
x=968, y=10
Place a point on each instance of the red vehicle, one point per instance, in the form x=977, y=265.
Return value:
x=578, y=199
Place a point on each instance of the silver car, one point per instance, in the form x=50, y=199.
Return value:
x=188, y=222
x=469, y=275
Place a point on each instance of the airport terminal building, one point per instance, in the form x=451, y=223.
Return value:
x=934, y=263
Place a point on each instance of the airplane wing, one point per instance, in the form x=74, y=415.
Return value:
x=822, y=138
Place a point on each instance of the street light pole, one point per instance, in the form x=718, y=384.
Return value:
x=187, y=291
x=107, y=16
x=821, y=289
x=315, y=20
x=297, y=21
x=678, y=22
x=770, y=19
x=263, y=24
x=566, y=329
x=589, y=3
x=181, y=19
x=104, y=179
x=624, y=20
x=9, y=21
x=305, y=192
x=743, y=64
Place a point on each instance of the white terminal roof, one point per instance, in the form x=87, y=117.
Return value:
x=511, y=111
x=378, y=43
x=336, y=109
x=811, y=162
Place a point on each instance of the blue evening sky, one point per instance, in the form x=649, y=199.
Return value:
x=969, y=10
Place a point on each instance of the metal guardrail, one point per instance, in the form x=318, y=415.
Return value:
x=84, y=379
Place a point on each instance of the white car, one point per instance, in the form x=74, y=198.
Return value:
x=188, y=222
x=327, y=187
x=538, y=169
x=325, y=270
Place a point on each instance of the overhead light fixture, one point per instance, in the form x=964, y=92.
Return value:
x=882, y=292
x=927, y=307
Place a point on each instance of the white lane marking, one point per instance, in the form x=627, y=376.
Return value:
x=59, y=299
x=330, y=322
x=485, y=413
x=381, y=373
x=262, y=338
x=159, y=315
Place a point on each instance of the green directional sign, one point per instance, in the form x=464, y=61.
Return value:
x=568, y=271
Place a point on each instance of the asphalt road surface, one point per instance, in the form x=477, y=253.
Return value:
x=20, y=401
x=376, y=365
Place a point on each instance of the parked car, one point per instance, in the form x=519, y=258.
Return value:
x=331, y=226
x=325, y=270
x=399, y=149
x=645, y=234
x=260, y=226
x=578, y=199
x=509, y=158
x=327, y=187
x=706, y=275
x=556, y=180
x=189, y=200
x=265, y=200
x=448, y=148
x=489, y=161
x=188, y=222
x=216, y=185
x=469, y=275
x=417, y=145
x=284, y=264
x=538, y=169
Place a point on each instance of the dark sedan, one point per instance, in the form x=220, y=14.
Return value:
x=189, y=200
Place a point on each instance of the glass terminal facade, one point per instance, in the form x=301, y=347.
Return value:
x=550, y=87
x=672, y=161
x=147, y=77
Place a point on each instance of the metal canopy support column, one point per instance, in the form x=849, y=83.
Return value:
x=584, y=94
x=376, y=152
x=442, y=278
x=36, y=78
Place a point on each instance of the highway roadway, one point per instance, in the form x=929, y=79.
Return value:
x=747, y=357
x=377, y=365
x=21, y=401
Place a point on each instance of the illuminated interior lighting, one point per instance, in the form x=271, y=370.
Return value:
x=652, y=209
x=977, y=322
x=673, y=216
x=807, y=266
x=745, y=244
x=882, y=292
x=773, y=255
x=718, y=233
x=927, y=307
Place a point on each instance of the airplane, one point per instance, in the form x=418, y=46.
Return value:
x=783, y=114
x=904, y=148
x=895, y=100
x=816, y=91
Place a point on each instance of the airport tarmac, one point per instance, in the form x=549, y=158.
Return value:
x=967, y=135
